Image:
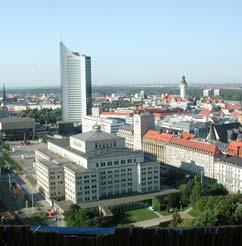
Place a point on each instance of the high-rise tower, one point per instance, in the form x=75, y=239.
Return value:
x=183, y=87
x=76, y=88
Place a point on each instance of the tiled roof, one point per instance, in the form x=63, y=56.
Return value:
x=186, y=135
x=235, y=144
x=164, y=137
x=204, y=112
x=195, y=145
x=117, y=113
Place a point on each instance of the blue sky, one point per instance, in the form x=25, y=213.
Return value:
x=130, y=42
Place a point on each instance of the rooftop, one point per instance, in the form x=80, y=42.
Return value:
x=196, y=145
x=95, y=136
x=231, y=159
x=164, y=137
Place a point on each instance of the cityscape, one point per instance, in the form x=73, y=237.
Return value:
x=112, y=162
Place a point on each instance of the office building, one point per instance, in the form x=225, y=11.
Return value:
x=207, y=92
x=91, y=166
x=76, y=89
x=109, y=125
x=217, y=92
x=17, y=128
x=142, y=123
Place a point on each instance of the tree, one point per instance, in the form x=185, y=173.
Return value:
x=156, y=203
x=186, y=190
x=238, y=214
x=206, y=219
x=176, y=219
x=196, y=190
x=80, y=217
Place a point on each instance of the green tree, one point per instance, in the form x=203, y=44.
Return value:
x=238, y=214
x=206, y=219
x=80, y=217
x=176, y=219
x=196, y=190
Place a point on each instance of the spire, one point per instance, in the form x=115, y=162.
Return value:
x=212, y=135
x=4, y=94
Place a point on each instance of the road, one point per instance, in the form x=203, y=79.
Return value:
x=156, y=221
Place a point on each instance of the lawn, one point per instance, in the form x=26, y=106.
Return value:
x=130, y=217
x=194, y=213
x=140, y=214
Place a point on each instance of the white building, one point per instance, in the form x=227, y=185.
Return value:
x=217, y=92
x=183, y=88
x=142, y=123
x=207, y=92
x=127, y=132
x=193, y=156
x=109, y=125
x=76, y=94
x=96, y=165
x=229, y=172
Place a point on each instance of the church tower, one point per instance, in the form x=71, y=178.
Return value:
x=183, y=88
x=4, y=94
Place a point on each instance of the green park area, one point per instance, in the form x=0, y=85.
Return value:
x=89, y=217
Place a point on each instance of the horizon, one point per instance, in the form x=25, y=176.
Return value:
x=135, y=42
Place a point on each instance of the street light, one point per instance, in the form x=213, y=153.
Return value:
x=202, y=173
x=2, y=220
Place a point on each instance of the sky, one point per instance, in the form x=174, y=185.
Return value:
x=130, y=41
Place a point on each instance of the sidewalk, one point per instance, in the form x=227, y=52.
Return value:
x=156, y=221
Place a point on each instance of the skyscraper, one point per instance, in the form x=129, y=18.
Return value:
x=183, y=88
x=76, y=88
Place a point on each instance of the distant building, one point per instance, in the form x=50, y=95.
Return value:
x=154, y=144
x=235, y=149
x=76, y=89
x=142, y=123
x=224, y=132
x=92, y=166
x=183, y=88
x=217, y=92
x=228, y=172
x=127, y=132
x=109, y=125
x=191, y=155
x=240, y=118
x=17, y=128
x=4, y=112
x=207, y=92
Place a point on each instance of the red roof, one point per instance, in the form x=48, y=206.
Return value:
x=204, y=112
x=117, y=113
x=164, y=137
x=235, y=144
x=187, y=135
x=195, y=145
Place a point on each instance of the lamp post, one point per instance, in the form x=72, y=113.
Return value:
x=202, y=173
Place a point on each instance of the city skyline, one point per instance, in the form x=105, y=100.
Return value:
x=139, y=42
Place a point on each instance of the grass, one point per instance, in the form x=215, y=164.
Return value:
x=194, y=213
x=140, y=215
x=131, y=217
x=165, y=212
